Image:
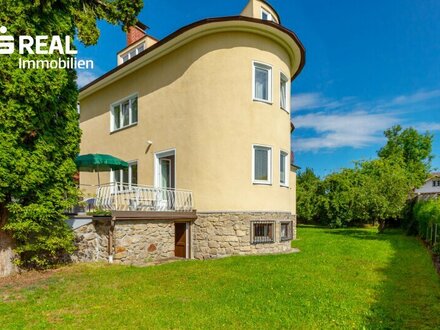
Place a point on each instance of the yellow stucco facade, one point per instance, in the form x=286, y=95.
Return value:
x=195, y=96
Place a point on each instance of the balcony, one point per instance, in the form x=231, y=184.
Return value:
x=125, y=197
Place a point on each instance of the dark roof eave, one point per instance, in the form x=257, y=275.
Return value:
x=202, y=22
x=141, y=25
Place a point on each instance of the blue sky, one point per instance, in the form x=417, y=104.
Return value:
x=370, y=65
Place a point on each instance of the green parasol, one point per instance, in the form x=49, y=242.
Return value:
x=99, y=163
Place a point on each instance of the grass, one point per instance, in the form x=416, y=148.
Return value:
x=342, y=279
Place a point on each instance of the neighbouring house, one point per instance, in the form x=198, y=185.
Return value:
x=431, y=188
x=203, y=118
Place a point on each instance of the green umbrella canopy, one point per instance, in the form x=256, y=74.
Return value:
x=99, y=163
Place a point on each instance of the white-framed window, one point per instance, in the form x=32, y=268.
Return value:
x=436, y=183
x=265, y=15
x=261, y=164
x=284, y=95
x=132, y=53
x=284, y=165
x=262, y=82
x=124, y=113
x=123, y=179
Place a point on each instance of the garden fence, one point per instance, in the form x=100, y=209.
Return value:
x=432, y=233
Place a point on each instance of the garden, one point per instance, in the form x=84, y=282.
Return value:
x=342, y=278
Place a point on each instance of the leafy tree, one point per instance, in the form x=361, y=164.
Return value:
x=39, y=133
x=386, y=189
x=308, y=185
x=374, y=190
x=337, y=202
x=413, y=148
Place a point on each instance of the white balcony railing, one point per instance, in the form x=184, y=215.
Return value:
x=125, y=197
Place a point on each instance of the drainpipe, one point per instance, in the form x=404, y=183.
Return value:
x=110, y=240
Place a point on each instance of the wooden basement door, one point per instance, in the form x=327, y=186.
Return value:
x=180, y=239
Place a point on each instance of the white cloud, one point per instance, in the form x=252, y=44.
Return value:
x=423, y=127
x=348, y=122
x=308, y=101
x=85, y=77
x=418, y=97
x=354, y=129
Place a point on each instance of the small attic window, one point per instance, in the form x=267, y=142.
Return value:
x=265, y=15
x=132, y=53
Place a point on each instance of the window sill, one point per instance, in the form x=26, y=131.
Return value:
x=284, y=110
x=263, y=101
x=123, y=128
x=267, y=242
x=284, y=185
x=257, y=183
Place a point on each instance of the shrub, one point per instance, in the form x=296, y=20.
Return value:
x=426, y=213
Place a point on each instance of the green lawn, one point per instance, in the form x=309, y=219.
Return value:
x=348, y=278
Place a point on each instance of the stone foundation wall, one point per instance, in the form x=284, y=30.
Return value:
x=213, y=235
x=226, y=234
x=92, y=242
x=142, y=241
x=135, y=242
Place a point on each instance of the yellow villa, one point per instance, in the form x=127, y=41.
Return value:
x=203, y=119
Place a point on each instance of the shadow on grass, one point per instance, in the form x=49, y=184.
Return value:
x=409, y=296
x=365, y=234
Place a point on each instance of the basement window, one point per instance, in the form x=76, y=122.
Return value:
x=286, y=231
x=262, y=232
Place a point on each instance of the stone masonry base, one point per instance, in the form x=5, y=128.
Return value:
x=211, y=235
x=226, y=234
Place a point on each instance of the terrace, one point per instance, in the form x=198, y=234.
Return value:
x=132, y=201
x=140, y=198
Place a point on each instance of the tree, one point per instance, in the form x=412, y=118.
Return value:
x=413, y=149
x=373, y=190
x=339, y=195
x=386, y=188
x=39, y=132
x=308, y=185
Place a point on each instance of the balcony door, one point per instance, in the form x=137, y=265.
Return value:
x=165, y=173
x=165, y=178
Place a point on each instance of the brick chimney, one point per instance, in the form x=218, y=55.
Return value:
x=136, y=32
